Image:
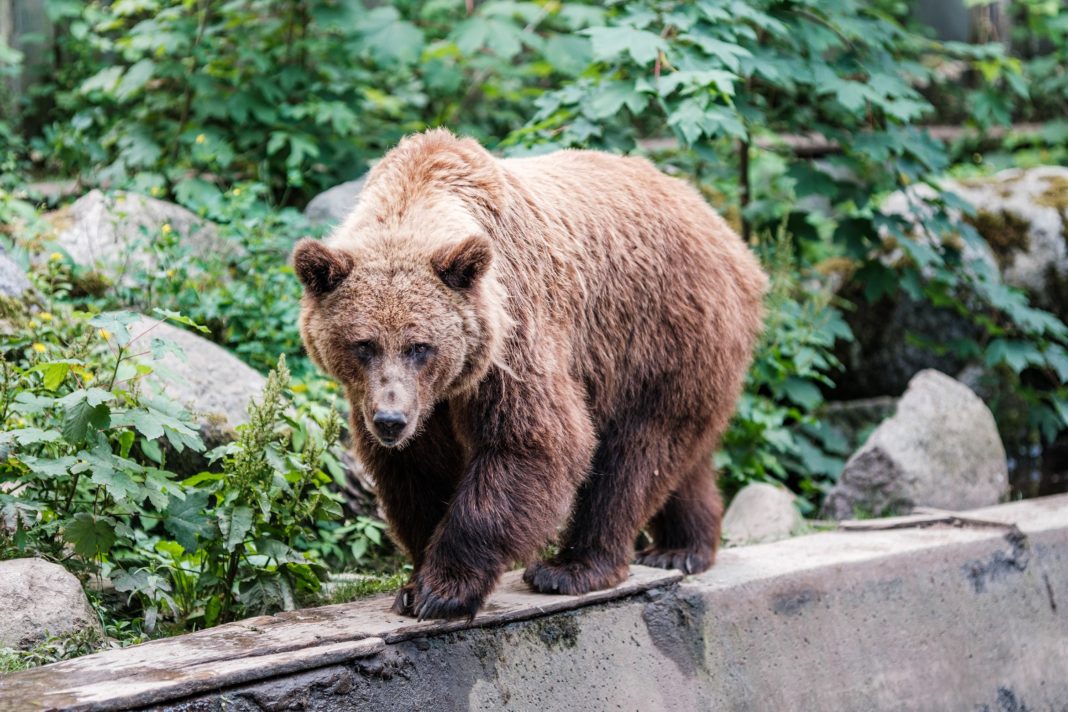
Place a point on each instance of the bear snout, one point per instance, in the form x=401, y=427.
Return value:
x=388, y=426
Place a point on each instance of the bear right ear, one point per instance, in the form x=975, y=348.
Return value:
x=460, y=265
x=320, y=268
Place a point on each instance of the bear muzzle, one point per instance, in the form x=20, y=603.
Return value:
x=389, y=426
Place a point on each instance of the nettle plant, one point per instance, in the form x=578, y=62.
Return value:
x=89, y=477
x=736, y=83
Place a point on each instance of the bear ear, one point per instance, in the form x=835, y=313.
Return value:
x=459, y=266
x=320, y=268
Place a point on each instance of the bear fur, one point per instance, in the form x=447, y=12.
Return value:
x=533, y=343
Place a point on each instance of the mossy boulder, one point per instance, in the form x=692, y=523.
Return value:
x=1022, y=213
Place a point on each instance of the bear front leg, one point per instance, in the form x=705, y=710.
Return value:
x=516, y=489
x=414, y=487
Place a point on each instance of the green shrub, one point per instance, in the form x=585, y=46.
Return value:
x=163, y=95
x=85, y=460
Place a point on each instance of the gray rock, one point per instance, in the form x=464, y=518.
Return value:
x=13, y=282
x=1021, y=213
x=940, y=449
x=207, y=379
x=332, y=206
x=760, y=513
x=39, y=599
x=114, y=233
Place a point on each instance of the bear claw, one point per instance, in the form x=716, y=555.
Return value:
x=403, y=604
x=688, y=561
x=431, y=605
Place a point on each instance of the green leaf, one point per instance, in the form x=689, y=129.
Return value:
x=135, y=79
x=803, y=392
x=186, y=521
x=48, y=467
x=91, y=535
x=146, y=422
x=234, y=523
x=180, y=318
x=29, y=403
x=110, y=472
x=117, y=323
x=388, y=39
x=53, y=373
x=610, y=42
x=81, y=414
x=1017, y=355
x=30, y=436
x=160, y=488
x=569, y=54
x=104, y=81
x=610, y=97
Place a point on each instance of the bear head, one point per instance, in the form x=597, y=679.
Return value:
x=402, y=304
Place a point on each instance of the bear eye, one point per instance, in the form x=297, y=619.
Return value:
x=364, y=351
x=419, y=352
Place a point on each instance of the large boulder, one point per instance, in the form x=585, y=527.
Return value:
x=940, y=449
x=40, y=599
x=1021, y=214
x=759, y=513
x=332, y=206
x=207, y=379
x=13, y=282
x=114, y=234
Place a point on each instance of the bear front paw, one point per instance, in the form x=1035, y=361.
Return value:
x=572, y=578
x=436, y=597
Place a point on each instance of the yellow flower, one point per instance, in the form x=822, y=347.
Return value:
x=237, y=191
x=170, y=273
x=45, y=316
x=34, y=324
x=167, y=229
x=56, y=256
x=104, y=334
x=201, y=138
x=39, y=347
x=22, y=422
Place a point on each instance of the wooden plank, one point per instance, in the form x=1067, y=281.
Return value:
x=152, y=687
x=257, y=648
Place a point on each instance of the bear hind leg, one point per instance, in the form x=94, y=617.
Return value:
x=634, y=471
x=686, y=530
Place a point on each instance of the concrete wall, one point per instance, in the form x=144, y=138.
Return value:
x=945, y=613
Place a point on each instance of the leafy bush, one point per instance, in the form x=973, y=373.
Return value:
x=296, y=96
x=86, y=461
x=776, y=433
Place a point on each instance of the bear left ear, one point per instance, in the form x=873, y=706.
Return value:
x=320, y=268
x=459, y=266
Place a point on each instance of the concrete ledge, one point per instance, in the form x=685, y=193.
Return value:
x=942, y=614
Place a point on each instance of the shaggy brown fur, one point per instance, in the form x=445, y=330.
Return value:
x=528, y=343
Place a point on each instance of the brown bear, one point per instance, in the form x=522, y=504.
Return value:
x=527, y=343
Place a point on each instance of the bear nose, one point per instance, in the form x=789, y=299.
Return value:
x=389, y=423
